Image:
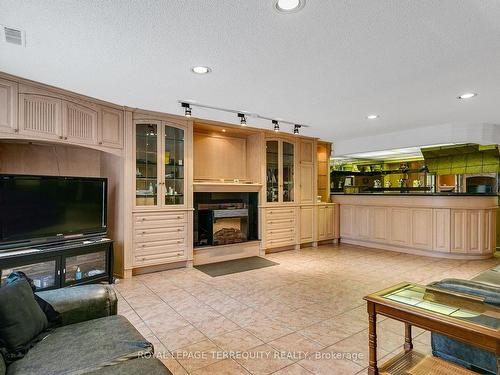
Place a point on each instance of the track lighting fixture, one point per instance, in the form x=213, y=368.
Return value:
x=276, y=126
x=187, y=109
x=243, y=119
x=242, y=114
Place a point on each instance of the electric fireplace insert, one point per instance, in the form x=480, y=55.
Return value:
x=225, y=218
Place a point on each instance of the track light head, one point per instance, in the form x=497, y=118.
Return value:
x=276, y=126
x=187, y=109
x=243, y=119
x=296, y=129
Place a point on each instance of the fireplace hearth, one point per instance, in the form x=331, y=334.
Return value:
x=225, y=218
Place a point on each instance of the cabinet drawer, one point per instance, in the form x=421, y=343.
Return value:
x=164, y=219
x=158, y=258
x=280, y=223
x=152, y=246
x=280, y=233
x=280, y=213
x=285, y=241
x=160, y=233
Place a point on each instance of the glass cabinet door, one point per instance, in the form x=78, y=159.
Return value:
x=78, y=268
x=272, y=171
x=43, y=274
x=288, y=171
x=146, y=164
x=174, y=165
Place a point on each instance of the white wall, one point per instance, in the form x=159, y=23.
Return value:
x=432, y=135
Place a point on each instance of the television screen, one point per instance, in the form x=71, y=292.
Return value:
x=37, y=208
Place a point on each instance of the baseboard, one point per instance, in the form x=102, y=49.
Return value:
x=408, y=250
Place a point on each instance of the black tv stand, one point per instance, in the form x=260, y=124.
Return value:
x=78, y=261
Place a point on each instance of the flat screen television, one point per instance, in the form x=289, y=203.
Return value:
x=38, y=209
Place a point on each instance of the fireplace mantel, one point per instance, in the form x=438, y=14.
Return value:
x=226, y=187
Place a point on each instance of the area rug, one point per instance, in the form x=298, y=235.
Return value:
x=234, y=266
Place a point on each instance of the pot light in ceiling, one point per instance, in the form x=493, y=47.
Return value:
x=372, y=117
x=243, y=119
x=276, y=126
x=201, y=69
x=467, y=95
x=289, y=6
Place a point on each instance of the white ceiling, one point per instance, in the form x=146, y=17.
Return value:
x=328, y=65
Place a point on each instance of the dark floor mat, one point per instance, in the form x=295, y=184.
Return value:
x=235, y=266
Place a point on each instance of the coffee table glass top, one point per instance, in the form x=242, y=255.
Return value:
x=454, y=305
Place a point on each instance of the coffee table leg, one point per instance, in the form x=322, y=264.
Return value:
x=408, y=343
x=372, y=340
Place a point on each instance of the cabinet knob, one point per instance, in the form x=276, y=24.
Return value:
x=100, y=143
x=179, y=229
x=16, y=130
x=60, y=137
x=143, y=232
x=143, y=219
x=65, y=137
x=143, y=245
x=179, y=217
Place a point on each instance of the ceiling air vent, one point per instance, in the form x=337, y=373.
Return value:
x=12, y=36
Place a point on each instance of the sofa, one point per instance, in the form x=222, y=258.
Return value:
x=92, y=339
x=487, y=286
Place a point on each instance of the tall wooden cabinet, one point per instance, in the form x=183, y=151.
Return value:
x=160, y=168
x=279, y=217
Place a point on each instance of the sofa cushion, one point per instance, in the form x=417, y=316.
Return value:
x=21, y=319
x=83, y=347
x=151, y=366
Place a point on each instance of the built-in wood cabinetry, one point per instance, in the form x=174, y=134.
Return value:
x=428, y=225
x=327, y=217
x=280, y=227
x=34, y=112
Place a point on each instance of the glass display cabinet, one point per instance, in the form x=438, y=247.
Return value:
x=280, y=171
x=159, y=161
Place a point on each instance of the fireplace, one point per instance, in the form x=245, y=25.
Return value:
x=224, y=218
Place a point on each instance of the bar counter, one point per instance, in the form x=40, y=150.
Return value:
x=450, y=225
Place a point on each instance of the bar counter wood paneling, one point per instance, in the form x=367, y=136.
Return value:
x=461, y=226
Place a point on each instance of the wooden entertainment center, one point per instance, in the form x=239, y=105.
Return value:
x=155, y=162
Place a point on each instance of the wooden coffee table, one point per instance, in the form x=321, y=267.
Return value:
x=459, y=316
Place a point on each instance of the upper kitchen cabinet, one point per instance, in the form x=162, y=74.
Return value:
x=280, y=171
x=33, y=112
x=40, y=116
x=160, y=155
x=8, y=106
x=111, y=128
x=79, y=124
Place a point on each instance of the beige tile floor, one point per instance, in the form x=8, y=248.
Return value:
x=305, y=316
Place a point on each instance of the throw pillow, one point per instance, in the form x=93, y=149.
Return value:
x=21, y=319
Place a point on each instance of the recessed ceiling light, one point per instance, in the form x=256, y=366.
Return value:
x=289, y=6
x=372, y=117
x=223, y=130
x=201, y=69
x=467, y=95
